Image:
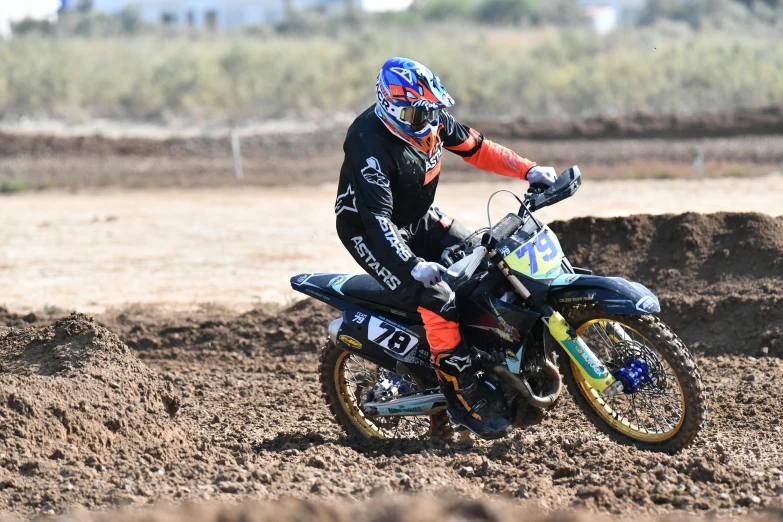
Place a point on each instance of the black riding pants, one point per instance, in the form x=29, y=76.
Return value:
x=427, y=238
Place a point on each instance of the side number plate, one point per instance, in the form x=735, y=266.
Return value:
x=390, y=337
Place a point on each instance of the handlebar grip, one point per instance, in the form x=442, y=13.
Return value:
x=537, y=188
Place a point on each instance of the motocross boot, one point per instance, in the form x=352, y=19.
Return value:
x=465, y=406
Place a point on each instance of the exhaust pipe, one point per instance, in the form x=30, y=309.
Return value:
x=521, y=385
x=407, y=406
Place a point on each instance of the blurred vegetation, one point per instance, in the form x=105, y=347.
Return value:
x=14, y=185
x=508, y=58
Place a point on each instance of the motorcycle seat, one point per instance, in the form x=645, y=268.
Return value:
x=365, y=288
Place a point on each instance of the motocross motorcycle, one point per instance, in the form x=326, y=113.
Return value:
x=535, y=324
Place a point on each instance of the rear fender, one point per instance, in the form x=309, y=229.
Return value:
x=615, y=295
x=322, y=286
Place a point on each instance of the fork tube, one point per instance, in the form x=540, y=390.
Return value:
x=514, y=280
x=588, y=364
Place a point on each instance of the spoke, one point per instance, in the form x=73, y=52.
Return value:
x=636, y=414
x=609, y=342
x=355, y=370
x=353, y=376
x=674, y=406
x=652, y=408
x=625, y=412
x=661, y=414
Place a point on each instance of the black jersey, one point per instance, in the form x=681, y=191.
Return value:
x=387, y=183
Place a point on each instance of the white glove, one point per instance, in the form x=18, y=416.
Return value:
x=428, y=273
x=545, y=175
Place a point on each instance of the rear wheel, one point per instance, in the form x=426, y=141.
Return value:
x=346, y=379
x=667, y=410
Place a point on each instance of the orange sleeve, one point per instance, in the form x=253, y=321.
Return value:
x=500, y=160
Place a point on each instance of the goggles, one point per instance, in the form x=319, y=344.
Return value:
x=414, y=116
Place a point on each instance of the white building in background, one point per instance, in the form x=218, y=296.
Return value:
x=224, y=14
x=606, y=15
x=16, y=10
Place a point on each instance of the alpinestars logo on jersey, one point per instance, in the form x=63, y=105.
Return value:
x=451, y=304
x=435, y=158
x=372, y=173
x=396, y=243
x=346, y=201
x=391, y=281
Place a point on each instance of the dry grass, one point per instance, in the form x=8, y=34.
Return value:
x=492, y=72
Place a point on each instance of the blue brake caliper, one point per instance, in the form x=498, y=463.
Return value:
x=633, y=374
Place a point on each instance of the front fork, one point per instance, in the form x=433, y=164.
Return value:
x=590, y=366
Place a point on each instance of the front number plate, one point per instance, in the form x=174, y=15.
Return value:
x=539, y=258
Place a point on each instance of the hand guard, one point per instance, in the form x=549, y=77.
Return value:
x=428, y=273
x=544, y=175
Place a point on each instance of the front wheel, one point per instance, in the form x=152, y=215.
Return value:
x=666, y=410
x=347, y=379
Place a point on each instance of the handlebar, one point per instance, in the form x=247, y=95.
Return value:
x=537, y=196
x=536, y=188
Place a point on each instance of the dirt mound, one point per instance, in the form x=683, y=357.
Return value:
x=768, y=120
x=692, y=253
x=297, y=329
x=395, y=509
x=718, y=275
x=74, y=398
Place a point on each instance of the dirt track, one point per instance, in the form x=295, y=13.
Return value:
x=250, y=422
x=235, y=248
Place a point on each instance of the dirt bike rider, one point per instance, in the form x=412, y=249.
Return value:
x=386, y=220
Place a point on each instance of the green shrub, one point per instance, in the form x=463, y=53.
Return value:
x=491, y=71
x=12, y=186
x=508, y=11
x=444, y=9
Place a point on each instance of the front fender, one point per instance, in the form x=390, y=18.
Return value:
x=614, y=294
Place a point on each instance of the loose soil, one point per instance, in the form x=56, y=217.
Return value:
x=380, y=509
x=219, y=406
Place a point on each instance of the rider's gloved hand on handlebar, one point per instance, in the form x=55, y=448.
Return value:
x=428, y=273
x=544, y=175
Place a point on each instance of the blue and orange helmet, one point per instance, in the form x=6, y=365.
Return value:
x=409, y=99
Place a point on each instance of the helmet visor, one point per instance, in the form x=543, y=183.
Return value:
x=415, y=117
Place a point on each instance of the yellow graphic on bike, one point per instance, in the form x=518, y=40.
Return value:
x=539, y=258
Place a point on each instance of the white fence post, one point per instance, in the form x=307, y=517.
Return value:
x=237, y=154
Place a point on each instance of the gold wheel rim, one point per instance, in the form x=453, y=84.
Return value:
x=350, y=403
x=619, y=420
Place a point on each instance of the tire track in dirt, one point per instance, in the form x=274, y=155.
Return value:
x=252, y=423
